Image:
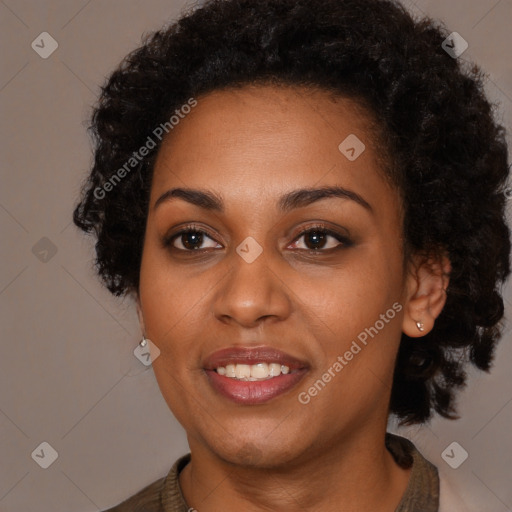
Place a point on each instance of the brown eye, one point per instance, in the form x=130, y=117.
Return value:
x=188, y=240
x=316, y=238
x=191, y=239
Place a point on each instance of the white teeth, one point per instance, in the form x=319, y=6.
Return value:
x=274, y=369
x=242, y=371
x=259, y=371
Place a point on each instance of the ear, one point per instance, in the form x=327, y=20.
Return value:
x=426, y=285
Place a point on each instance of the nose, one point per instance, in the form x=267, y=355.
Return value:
x=251, y=293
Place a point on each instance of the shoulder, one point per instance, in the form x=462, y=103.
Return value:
x=147, y=499
x=422, y=492
x=428, y=487
x=163, y=495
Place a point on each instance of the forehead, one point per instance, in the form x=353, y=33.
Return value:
x=270, y=137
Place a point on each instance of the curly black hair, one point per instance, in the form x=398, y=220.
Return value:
x=449, y=154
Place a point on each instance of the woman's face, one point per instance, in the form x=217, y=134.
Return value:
x=253, y=290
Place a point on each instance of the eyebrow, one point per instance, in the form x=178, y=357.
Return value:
x=295, y=199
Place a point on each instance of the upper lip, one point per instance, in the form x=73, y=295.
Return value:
x=245, y=355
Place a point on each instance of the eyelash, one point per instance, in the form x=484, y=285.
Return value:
x=320, y=228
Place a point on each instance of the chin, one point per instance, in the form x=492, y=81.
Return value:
x=258, y=449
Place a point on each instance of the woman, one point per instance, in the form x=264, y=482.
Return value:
x=306, y=201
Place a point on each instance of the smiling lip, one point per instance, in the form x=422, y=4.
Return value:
x=253, y=392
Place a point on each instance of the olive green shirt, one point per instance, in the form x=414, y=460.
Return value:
x=421, y=495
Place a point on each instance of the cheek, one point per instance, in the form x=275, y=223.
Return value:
x=168, y=295
x=171, y=302
x=352, y=297
x=358, y=313
x=167, y=305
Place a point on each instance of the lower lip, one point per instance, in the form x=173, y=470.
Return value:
x=254, y=392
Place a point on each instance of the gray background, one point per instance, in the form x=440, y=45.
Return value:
x=68, y=375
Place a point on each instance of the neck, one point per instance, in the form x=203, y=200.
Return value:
x=355, y=474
